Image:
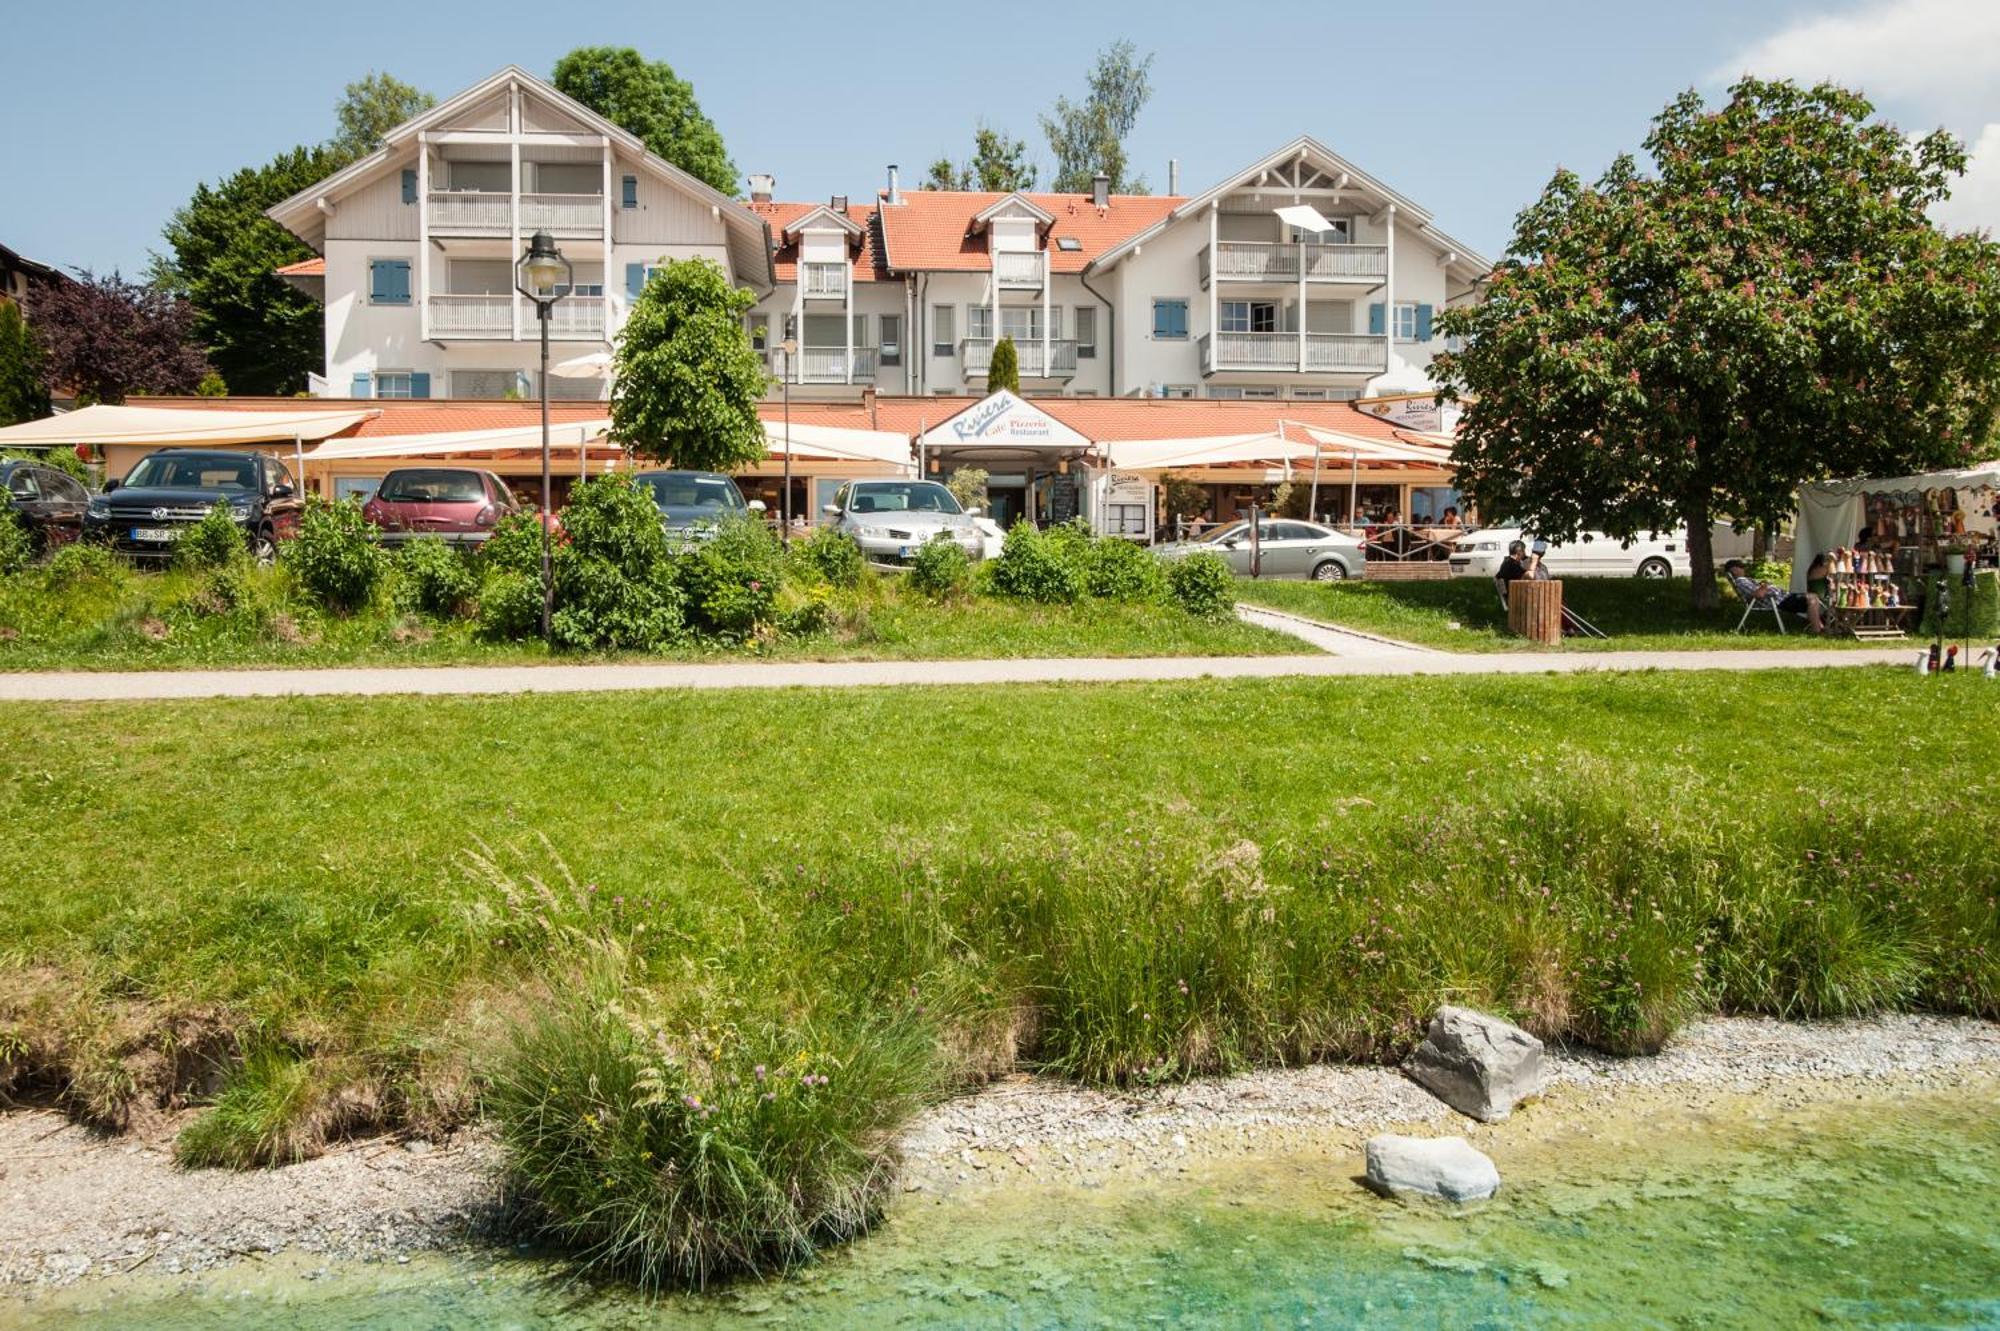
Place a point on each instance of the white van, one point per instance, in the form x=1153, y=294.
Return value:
x=1591, y=555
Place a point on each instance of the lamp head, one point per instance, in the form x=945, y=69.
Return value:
x=542, y=273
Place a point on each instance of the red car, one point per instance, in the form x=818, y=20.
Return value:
x=455, y=504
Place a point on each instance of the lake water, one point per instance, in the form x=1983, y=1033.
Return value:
x=1882, y=1210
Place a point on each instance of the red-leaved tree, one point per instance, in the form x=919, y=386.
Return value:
x=105, y=339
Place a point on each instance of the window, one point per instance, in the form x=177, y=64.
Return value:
x=389, y=281
x=628, y=195
x=485, y=385
x=860, y=330
x=1406, y=321
x=979, y=322
x=1263, y=393
x=825, y=278
x=1069, y=244
x=1248, y=316
x=758, y=326
x=1086, y=332
x=22, y=484
x=392, y=383
x=1176, y=390
x=892, y=339
x=1023, y=323
x=1170, y=319
x=569, y=178
x=1341, y=233
x=943, y=340
x=1309, y=395
x=484, y=177
x=58, y=486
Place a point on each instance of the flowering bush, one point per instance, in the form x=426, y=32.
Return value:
x=731, y=579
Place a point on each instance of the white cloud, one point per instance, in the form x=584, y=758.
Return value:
x=1923, y=63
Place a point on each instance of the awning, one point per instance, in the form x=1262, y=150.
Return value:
x=177, y=427
x=1832, y=513
x=519, y=438
x=826, y=443
x=1348, y=447
x=1303, y=216
x=1269, y=449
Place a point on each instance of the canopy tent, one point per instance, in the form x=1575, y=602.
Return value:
x=1268, y=449
x=1832, y=513
x=827, y=443
x=187, y=427
x=587, y=435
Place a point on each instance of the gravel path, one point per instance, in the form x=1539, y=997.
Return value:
x=81, y=1205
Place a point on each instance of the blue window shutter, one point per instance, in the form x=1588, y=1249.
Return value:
x=420, y=384
x=1376, y=315
x=389, y=281
x=409, y=187
x=1423, y=323
x=378, y=275
x=360, y=388
x=635, y=279
x=631, y=196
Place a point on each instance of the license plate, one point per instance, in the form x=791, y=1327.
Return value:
x=152, y=534
x=902, y=552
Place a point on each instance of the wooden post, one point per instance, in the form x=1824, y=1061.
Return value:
x=1535, y=610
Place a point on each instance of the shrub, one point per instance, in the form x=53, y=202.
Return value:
x=1117, y=570
x=1004, y=370
x=1202, y=585
x=806, y=611
x=732, y=579
x=434, y=577
x=335, y=555
x=677, y=1141
x=940, y=569
x=968, y=487
x=15, y=544
x=80, y=562
x=214, y=542
x=830, y=556
x=510, y=606
x=613, y=579
x=515, y=546
x=1032, y=567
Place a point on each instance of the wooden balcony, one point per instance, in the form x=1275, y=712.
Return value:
x=1255, y=261
x=1322, y=353
x=1018, y=270
x=977, y=353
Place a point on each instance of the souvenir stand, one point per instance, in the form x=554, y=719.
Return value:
x=1888, y=540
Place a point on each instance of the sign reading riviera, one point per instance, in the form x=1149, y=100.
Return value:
x=1003, y=419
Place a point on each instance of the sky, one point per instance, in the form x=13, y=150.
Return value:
x=111, y=113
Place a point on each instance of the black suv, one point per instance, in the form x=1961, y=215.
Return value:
x=171, y=490
x=48, y=501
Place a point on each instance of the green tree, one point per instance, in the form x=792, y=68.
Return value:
x=649, y=100
x=999, y=165
x=372, y=106
x=1088, y=137
x=968, y=487
x=260, y=333
x=211, y=385
x=686, y=379
x=23, y=394
x=1005, y=369
x=1773, y=307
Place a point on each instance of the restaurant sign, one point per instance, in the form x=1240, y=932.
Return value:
x=1002, y=420
x=1417, y=411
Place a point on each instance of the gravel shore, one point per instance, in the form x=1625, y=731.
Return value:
x=81, y=1205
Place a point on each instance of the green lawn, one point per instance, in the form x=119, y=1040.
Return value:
x=1463, y=615
x=910, y=888
x=158, y=621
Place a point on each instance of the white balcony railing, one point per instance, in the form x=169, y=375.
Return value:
x=1018, y=270
x=1327, y=353
x=978, y=355
x=832, y=365
x=563, y=214
x=1256, y=261
x=823, y=281
x=471, y=213
x=492, y=316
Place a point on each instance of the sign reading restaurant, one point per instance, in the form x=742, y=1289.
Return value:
x=1002, y=420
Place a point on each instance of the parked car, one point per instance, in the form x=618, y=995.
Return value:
x=1593, y=554
x=171, y=490
x=1286, y=548
x=691, y=503
x=459, y=505
x=889, y=520
x=49, y=503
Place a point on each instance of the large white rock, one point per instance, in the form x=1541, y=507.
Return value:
x=1447, y=1167
x=1479, y=1065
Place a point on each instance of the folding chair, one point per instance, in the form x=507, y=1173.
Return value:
x=1753, y=604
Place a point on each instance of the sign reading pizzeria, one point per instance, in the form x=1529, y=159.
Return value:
x=1003, y=421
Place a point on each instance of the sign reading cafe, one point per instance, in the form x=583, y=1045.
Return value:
x=1001, y=420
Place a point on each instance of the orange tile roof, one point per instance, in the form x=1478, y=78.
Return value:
x=1109, y=419
x=313, y=267
x=932, y=229
x=868, y=265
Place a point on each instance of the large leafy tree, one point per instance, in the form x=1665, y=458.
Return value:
x=648, y=99
x=372, y=106
x=1088, y=137
x=262, y=335
x=686, y=379
x=107, y=339
x=24, y=394
x=999, y=164
x=1771, y=308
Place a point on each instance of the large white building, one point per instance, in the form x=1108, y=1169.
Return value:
x=1215, y=295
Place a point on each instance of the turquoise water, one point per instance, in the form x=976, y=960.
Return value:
x=1882, y=1211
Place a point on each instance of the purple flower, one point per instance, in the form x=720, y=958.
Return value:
x=759, y=1070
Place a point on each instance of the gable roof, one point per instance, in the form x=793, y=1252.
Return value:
x=1305, y=148
x=841, y=221
x=750, y=239
x=783, y=217
x=1014, y=200
x=935, y=230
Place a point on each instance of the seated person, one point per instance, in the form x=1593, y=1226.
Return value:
x=1817, y=581
x=1513, y=568
x=1788, y=603
x=1449, y=518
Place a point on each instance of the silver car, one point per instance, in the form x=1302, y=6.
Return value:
x=1286, y=548
x=890, y=520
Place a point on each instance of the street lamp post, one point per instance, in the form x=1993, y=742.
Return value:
x=789, y=346
x=544, y=276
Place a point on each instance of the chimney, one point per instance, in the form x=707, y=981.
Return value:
x=868, y=403
x=1100, y=190
x=838, y=203
x=1173, y=175
x=761, y=187
x=895, y=193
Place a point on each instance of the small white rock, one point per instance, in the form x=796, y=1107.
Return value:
x=1447, y=1167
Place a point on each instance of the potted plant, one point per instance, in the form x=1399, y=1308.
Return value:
x=1955, y=552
